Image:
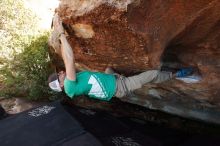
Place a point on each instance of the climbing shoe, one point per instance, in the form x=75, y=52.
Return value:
x=190, y=79
x=183, y=72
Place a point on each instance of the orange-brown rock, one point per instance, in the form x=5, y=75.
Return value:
x=135, y=35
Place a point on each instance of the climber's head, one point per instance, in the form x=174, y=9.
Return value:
x=56, y=81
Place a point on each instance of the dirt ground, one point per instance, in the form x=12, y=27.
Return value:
x=17, y=105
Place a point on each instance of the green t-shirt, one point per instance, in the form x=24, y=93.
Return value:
x=94, y=84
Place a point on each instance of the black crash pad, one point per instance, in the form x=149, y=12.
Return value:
x=46, y=125
x=56, y=124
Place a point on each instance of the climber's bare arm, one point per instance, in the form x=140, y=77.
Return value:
x=66, y=50
x=68, y=58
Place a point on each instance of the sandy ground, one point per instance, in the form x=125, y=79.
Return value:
x=17, y=105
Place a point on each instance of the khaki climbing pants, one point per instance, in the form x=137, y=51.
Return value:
x=125, y=85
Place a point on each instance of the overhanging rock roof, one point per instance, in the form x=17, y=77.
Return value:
x=136, y=35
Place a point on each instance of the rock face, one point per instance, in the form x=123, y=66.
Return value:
x=135, y=35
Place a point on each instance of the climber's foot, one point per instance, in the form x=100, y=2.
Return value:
x=183, y=72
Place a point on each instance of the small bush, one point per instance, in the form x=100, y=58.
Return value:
x=26, y=74
x=24, y=59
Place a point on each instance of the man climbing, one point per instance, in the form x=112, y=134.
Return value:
x=99, y=85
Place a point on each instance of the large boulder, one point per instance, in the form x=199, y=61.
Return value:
x=135, y=35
